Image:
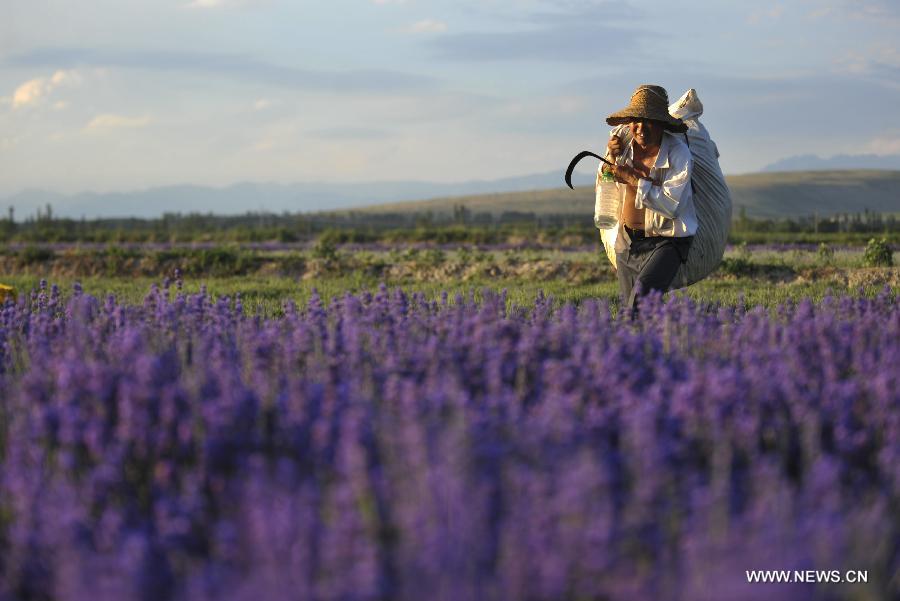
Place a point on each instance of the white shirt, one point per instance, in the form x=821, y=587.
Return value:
x=669, y=206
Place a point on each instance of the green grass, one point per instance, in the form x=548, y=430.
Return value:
x=268, y=295
x=753, y=293
x=751, y=276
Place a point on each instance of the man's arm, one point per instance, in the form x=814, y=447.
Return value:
x=665, y=197
x=629, y=175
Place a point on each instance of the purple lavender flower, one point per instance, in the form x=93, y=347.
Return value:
x=385, y=446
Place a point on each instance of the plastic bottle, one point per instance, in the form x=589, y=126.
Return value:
x=606, y=206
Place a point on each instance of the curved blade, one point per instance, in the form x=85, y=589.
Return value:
x=578, y=157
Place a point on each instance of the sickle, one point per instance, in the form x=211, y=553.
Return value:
x=578, y=157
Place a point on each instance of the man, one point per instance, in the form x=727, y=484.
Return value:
x=653, y=175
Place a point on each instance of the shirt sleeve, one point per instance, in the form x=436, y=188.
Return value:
x=666, y=198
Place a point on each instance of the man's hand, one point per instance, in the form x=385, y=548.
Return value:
x=615, y=146
x=625, y=175
x=630, y=176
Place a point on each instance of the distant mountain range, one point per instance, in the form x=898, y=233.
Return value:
x=261, y=197
x=768, y=194
x=811, y=162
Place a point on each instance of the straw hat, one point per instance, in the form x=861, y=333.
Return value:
x=648, y=102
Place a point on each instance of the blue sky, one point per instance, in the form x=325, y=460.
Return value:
x=111, y=95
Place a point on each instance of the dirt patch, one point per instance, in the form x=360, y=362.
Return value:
x=739, y=268
x=874, y=276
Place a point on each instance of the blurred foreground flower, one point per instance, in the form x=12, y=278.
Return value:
x=385, y=446
x=7, y=293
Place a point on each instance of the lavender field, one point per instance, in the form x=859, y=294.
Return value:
x=387, y=446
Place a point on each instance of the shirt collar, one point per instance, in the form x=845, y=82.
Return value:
x=662, y=158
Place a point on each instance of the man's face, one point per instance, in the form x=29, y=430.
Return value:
x=646, y=132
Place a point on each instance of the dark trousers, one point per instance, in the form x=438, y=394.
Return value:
x=650, y=264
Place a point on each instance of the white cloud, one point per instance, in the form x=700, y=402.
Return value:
x=538, y=111
x=32, y=91
x=9, y=143
x=884, y=145
x=263, y=145
x=427, y=26
x=820, y=12
x=853, y=62
x=262, y=104
x=874, y=60
x=206, y=4
x=772, y=14
x=111, y=121
x=29, y=92
x=569, y=105
x=875, y=9
x=61, y=77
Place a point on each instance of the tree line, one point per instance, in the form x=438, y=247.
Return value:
x=459, y=225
